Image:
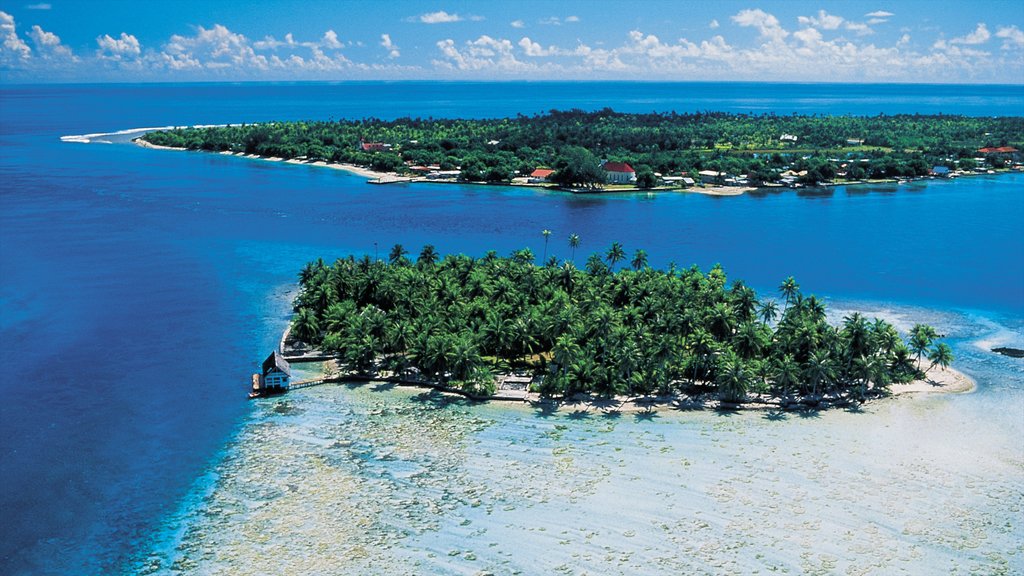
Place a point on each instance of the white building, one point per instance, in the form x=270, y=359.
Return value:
x=619, y=173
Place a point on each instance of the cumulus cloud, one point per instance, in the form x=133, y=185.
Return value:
x=879, y=14
x=118, y=49
x=1012, y=36
x=572, y=19
x=484, y=53
x=517, y=24
x=48, y=45
x=823, y=20
x=385, y=41
x=213, y=48
x=440, y=17
x=979, y=36
x=330, y=40
x=767, y=24
x=714, y=24
x=13, y=49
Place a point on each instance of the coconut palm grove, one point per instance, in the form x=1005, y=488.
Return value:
x=616, y=326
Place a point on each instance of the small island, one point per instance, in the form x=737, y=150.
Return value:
x=604, y=150
x=506, y=327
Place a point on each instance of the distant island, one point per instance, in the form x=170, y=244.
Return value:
x=617, y=327
x=611, y=151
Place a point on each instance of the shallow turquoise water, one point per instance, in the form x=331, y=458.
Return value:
x=138, y=289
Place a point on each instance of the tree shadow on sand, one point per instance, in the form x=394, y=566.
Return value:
x=646, y=415
x=579, y=415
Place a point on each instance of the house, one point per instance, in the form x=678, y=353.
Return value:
x=619, y=173
x=540, y=175
x=940, y=171
x=374, y=146
x=854, y=141
x=788, y=138
x=711, y=177
x=276, y=373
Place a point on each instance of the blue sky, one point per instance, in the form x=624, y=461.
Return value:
x=192, y=40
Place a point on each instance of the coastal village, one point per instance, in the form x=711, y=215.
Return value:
x=622, y=177
x=606, y=151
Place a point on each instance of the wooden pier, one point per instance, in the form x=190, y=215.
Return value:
x=307, y=383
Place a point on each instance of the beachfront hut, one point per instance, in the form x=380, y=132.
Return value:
x=619, y=173
x=940, y=171
x=276, y=373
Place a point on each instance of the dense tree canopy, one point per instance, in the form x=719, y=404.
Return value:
x=605, y=330
x=572, y=141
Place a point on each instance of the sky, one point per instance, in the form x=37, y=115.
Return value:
x=935, y=41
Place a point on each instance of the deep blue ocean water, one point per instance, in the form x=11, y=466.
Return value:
x=139, y=288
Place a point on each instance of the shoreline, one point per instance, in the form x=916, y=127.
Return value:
x=381, y=178
x=936, y=381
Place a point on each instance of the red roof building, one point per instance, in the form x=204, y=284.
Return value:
x=1000, y=150
x=542, y=173
x=619, y=172
x=374, y=146
x=618, y=167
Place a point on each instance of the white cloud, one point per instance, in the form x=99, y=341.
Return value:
x=484, y=53
x=517, y=24
x=714, y=24
x=879, y=14
x=823, y=20
x=330, y=40
x=572, y=19
x=119, y=49
x=439, y=17
x=385, y=41
x=40, y=6
x=13, y=49
x=213, y=48
x=1012, y=36
x=860, y=28
x=48, y=45
x=532, y=48
x=767, y=24
x=979, y=36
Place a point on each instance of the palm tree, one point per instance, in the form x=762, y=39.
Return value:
x=397, y=255
x=820, y=368
x=921, y=337
x=786, y=374
x=789, y=288
x=733, y=380
x=857, y=333
x=769, y=309
x=574, y=242
x=306, y=326
x=615, y=255
x=639, y=259
x=428, y=256
x=545, y=233
x=941, y=355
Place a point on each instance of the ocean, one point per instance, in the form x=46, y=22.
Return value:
x=139, y=289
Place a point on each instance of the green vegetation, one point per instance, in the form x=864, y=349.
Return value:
x=574, y=141
x=604, y=330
